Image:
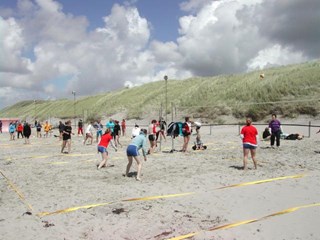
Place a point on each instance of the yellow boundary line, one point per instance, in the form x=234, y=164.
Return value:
x=20, y=195
x=164, y=196
x=42, y=214
x=236, y=224
x=262, y=181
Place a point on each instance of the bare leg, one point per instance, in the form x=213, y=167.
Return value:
x=185, y=143
x=139, y=163
x=63, y=145
x=130, y=158
x=69, y=145
x=253, y=156
x=152, y=146
x=245, y=158
x=104, y=160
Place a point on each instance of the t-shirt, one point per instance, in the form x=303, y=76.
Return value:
x=67, y=132
x=116, y=129
x=152, y=129
x=249, y=135
x=105, y=140
x=135, y=131
x=110, y=125
x=88, y=129
x=186, y=128
x=275, y=125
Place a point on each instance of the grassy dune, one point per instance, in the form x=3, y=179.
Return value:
x=289, y=91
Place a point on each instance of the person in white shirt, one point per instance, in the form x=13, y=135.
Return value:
x=135, y=131
x=88, y=134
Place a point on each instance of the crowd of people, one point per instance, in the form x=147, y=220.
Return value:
x=140, y=137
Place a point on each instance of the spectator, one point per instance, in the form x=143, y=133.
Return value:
x=276, y=130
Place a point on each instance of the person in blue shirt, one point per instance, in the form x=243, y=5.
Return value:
x=137, y=143
x=110, y=125
x=12, y=131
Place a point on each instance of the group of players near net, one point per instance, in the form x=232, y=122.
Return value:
x=156, y=129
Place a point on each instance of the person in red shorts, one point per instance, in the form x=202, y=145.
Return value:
x=106, y=138
x=249, y=136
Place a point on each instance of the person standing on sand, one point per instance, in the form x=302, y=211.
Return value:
x=88, y=133
x=61, y=127
x=162, y=125
x=123, y=127
x=0, y=126
x=19, y=130
x=66, y=137
x=12, y=131
x=26, y=133
x=98, y=126
x=38, y=126
x=135, y=131
x=137, y=143
x=106, y=138
x=110, y=125
x=117, y=133
x=249, y=136
x=152, y=136
x=186, y=131
x=80, y=127
x=275, y=127
x=47, y=128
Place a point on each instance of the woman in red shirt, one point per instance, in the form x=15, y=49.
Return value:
x=106, y=138
x=249, y=135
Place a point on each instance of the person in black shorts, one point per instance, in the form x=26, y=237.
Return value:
x=152, y=136
x=66, y=137
x=116, y=133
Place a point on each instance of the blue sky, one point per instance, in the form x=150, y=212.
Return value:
x=162, y=14
x=54, y=47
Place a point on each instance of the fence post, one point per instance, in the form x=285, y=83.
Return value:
x=210, y=128
x=239, y=128
x=309, y=129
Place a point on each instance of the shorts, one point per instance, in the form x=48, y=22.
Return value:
x=89, y=135
x=102, y=149
x=186, y=134
x=132, y=150
x=66, y=137
x=151, y=137
x=99, y=133
x=249, y=146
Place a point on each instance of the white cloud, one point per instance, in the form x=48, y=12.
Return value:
x=11, y=45
x=273, y=56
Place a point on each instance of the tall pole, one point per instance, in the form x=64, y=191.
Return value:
x=35, y=111
x=74, y=107
x=166, y=80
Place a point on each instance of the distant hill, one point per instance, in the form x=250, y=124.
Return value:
x=290, y=90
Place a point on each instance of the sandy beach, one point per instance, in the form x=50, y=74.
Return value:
x=199, y=194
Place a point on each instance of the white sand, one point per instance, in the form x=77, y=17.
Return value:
x=51, y=181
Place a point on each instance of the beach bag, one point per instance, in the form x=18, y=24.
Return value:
x=174, y=129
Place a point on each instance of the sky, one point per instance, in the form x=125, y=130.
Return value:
x=50, y=48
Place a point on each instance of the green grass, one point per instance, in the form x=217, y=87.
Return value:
x=285, y=90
